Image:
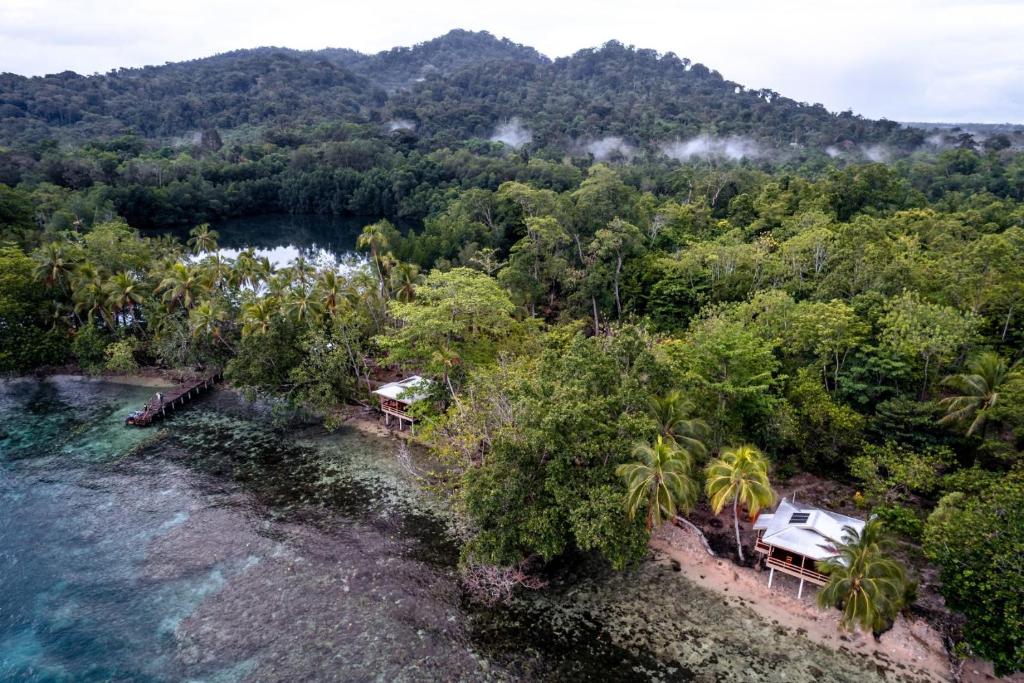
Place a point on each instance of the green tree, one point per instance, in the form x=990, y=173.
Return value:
x=732, y=370
x=459, y=319
x=203, y=240
x=978, y=541
x=661, y=479
x=864, y=580
x=931, y=332
x=739, y=476
x=978, y=390
x=377, y=237
x=672, y=413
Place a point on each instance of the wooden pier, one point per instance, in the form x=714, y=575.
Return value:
x=172, y=400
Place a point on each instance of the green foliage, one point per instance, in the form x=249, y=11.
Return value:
x=977, y=540
x=26, y=338
x=120, y=356
x=732, y=371
x=864, y=581
x=538, y=440
x=324, y=378
x=892, y=473
x=827, y=432
x=739, y=477
x=661, y=480
x=89, y=348
x=931, y=332
x=900, y=519
x=977, y=391
x=458, y=320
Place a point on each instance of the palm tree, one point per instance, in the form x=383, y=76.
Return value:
x=208, y=319
x=740, y=477
x=404, y=278
x=331, y=290
x=864, y=582
x=203, y=239
x=258, y=316
x=302, y=271
x=375, y=238
x=53, y=265
x=662, y=478
x=123, y=296
x=88, y=293
x=180, y=286
x=246, y=270
x=671, y=413
x=217, y=270
x=302, y=305
x=977, y=391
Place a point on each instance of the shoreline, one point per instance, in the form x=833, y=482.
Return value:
x=911, y=646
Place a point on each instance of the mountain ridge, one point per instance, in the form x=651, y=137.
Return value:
x=458, y=86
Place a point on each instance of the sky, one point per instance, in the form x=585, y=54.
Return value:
x=905, y=60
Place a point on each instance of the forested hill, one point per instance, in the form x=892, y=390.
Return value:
x=608, y=101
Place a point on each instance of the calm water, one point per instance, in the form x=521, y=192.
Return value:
x=283, y=237
x=216, y=549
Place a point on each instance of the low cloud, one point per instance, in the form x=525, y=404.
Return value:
x=512, y=133
x=705, y=146
x=610, y=148
x=876, y=153
x=400, y=124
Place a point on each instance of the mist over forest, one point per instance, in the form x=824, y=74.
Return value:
x=614, y=269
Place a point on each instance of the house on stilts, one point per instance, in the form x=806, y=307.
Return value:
x=397, y=397
x=795, y=538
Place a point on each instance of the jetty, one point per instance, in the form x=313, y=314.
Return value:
x=156, y=409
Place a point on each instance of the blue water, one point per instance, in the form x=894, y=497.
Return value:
x=216, y=548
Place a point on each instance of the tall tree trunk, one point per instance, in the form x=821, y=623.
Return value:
x=618, y=302
x=736, y=525
x=597, y=324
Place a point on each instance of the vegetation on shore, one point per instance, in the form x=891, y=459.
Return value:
x=607, y=339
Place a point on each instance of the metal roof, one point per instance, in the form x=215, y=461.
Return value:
x=408, y=390
x=815, y=536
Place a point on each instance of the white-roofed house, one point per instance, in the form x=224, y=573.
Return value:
x=794, y=538
x=396, y=397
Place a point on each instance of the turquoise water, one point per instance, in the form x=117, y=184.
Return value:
x=217, y=549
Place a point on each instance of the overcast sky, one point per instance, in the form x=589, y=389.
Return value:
x=907, y=60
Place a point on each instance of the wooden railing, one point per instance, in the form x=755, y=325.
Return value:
x=797, y=571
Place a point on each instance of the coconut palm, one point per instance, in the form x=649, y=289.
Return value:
x=662, y=477
x=247, y=269
x=331, y=291
x=123, y=296
x=978, y=390
x=217, y=271
x=375, y=238
x=89, y=295
x=671, y=412
x=53, y=265
x=404, y=278
x=258, y=316
x=180, y=286
x=208, y=319
x=302, y=271
x=301, y=306
x=203, y=240
x=740, y=477
x=868, y=585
